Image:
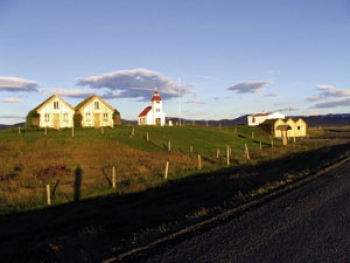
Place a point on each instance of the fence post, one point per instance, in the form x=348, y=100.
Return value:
x=191, y=148
x=166, y=170
x=19, y=130
x=246, y=154
x=228, y=155
x=199, y=162
x=72, y=130
x=169, y=146
x=48, y=194
x=147, y=136
x=217, y=153
x=113, y=177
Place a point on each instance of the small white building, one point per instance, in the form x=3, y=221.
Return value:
x=95, y=112
x=153, y=115
x=54, y=112
x=256, y=119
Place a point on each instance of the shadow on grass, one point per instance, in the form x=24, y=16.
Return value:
x=99, y=227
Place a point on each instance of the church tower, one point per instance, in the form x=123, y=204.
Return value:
x=158, y=115
x=153, y=115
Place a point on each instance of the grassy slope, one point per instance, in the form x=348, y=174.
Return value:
x=102, y=226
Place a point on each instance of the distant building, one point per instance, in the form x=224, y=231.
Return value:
x=152, y=115
x=54, y=112
x=256, y=119
x=292, y=127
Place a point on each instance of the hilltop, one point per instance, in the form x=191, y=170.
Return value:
x=341, y=119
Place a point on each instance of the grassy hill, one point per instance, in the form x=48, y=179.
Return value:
x=91, y=216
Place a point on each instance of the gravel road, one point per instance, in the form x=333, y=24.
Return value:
x=309, y=224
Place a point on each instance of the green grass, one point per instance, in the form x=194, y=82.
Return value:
x=144, y=205
x=139, y=163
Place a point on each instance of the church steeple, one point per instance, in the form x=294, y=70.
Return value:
x=156, y=96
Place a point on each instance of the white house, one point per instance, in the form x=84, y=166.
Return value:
x=153, y=115
x=95, y=112
x=54, y=112
x=256, y=119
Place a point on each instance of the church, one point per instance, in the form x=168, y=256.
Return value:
x=153, y=115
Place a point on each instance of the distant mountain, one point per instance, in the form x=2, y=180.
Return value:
x=313, y=121
x=5, y=126
x=328, y=120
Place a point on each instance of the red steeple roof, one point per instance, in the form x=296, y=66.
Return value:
x=156, y=96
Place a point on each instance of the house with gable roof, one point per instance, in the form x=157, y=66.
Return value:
x=152, y=115
x=256, y=119
x=95, y=112
x=54, y=112
x=291, y=127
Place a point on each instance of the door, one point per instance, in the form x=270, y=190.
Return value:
x=96, y=120
x=56, y=121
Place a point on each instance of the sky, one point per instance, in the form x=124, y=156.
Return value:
x=208, y=59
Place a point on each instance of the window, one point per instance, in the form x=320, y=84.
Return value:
x=253, y=120
x=47, y=117
x=65, y=117
x=105, y=116
x=55, y=105
x=298, y=128
x=96, y=105
x=157, y=110
x=87, y=116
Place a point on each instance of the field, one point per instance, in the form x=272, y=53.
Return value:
x=89, y=212
x=31, y=160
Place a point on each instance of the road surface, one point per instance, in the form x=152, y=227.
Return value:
x=309, y=224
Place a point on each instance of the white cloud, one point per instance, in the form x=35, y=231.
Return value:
x=75, y=93
x=249, y=86
x=17, y=84
x=272, y=94
x=332, y=104
x=135, y=83
x=329, y=91
x=12, y=100
x=195, y=102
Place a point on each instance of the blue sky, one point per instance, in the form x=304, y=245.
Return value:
x=226, y=58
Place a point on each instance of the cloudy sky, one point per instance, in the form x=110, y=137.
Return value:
x=216, y=58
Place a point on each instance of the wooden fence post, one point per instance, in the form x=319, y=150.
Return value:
x=147, y=136
x=246, y=154
x=169, y=146
x=166, y=170
x=199, y=162
x=19, y=130
x=191, y=148
x=228, y=155
x=217, y=153
x=113, y=178
x=48, y=194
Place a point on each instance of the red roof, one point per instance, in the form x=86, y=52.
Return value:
x=145, y=111
x=156, y=96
